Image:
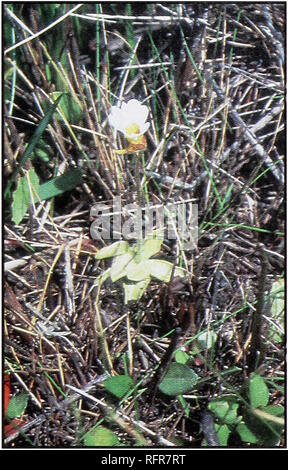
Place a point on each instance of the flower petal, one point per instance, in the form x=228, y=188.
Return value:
x=137, y=110
x=128, y=115
x=144, y=128
x=115, y=116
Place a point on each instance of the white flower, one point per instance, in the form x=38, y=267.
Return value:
x=130, y=119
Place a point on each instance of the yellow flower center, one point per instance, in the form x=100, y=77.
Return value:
x=133, y=129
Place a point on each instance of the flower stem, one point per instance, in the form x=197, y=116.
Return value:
x=140, y=195
x=140, y=199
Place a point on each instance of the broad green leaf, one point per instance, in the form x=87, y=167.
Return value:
x=225, y=410
x=119, y=265
x=60, y=184
x=17, y=405
x=178, y=380
x=258, y=391
x=52, y=188
x=119, y=385
x=116, y=249
x=101, y=437
x=134, y=291
x=26, y=191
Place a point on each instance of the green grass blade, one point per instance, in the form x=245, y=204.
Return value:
x=31, y=146
x=60, y=184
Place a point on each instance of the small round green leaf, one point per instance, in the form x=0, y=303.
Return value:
x=258, y=391
x=17, y=405
x=178, y=380
x=181, y=357
x=225, y=410
x=223, y=433
x=119, y=385
x=101, y=437
x=246, y=434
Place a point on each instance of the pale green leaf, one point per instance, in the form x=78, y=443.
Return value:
x=102, y=278
x=119, y=265
x=160, y=269
x=134, y=291
x=26, y=192
x=181, y=356
x=137, y=271
x=149, y=247
x=277, y=299
x=116, y=249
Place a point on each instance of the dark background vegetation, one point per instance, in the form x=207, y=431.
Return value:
x=216, y=104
